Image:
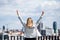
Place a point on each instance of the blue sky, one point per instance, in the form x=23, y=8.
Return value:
x=29, y=8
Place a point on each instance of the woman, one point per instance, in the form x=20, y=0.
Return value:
x=29, y=29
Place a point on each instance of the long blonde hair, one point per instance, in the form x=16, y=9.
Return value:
x=27, y=24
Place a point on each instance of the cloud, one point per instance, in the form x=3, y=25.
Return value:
x=29, y=8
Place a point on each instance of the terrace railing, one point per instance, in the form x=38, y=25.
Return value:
x=6, y=37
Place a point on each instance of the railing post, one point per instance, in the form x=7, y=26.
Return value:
x=46, y=37
x=13, y=37
x=57, y=37
x=6, y=37
x=21, y=38
x=0, y=36
x=49, y=37
x=17, y=37
x=52, y=37
x=41, y=37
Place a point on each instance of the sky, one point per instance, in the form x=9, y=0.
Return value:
x=29, y=8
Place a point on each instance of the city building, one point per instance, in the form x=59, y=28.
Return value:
x=49, y=31
x=59, y=32
x=40, y=26
x=43, y=32
x=55, y=26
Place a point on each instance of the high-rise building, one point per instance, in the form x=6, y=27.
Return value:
x=43, y=32
x=40, y=26
x=3, y=27
x=55, y=26
x=40, y=29
x=59, y=32
x=49, y=31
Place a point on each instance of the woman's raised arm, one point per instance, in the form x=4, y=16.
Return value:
x=38, y=21
x=19, y=18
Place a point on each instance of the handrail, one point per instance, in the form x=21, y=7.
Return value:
x=6, y=37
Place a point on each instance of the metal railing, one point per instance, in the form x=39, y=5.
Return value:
x=6, y=37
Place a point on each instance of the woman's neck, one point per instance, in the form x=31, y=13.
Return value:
x=29, y=25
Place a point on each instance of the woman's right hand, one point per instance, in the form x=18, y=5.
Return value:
x=17, y=13
x=42, y=13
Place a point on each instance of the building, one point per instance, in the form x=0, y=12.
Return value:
x=49, y=31
x=55, y=26
x=3, y=27
x=59, y=32
x=40, y=29
x=40, y=26
x=43, y=32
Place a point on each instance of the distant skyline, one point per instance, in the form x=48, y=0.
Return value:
x=29, y=8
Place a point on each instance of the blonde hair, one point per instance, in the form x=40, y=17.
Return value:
x=28, y=22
